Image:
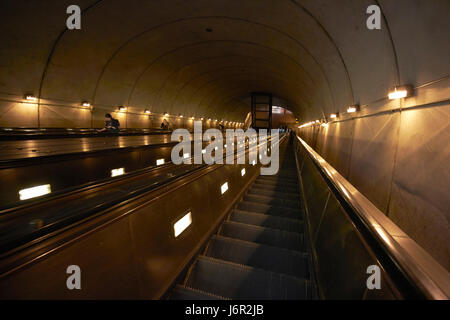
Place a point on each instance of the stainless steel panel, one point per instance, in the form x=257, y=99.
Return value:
x=419, y=202
x=373, y=153
x=106, y=259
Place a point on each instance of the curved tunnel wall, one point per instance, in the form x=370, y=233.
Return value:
x=202, y=58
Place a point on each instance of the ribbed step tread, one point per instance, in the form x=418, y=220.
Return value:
x=275, y=180
x=272, y=201
x=267, y=221
x=286, y=186
x=240, y=282
x=271, y=210
x=271, y=237
x=281, y=183
x=259, y=256
x=275, y=194
x=292, y=179
x=274, y=188
x=185, y=293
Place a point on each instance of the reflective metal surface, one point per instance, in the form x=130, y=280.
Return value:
x=428, y=275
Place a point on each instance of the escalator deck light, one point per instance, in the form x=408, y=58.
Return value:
x=224, y=187
x=182, y=224
x=34, y=192
x=117, y=172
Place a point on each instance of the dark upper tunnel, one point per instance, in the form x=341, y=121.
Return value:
x=201, y=60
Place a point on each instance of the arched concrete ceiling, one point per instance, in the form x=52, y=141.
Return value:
x=317, y=55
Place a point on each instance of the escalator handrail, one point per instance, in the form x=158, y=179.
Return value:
x=427, y=274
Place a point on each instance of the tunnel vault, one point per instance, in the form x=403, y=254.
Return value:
x=201, y=59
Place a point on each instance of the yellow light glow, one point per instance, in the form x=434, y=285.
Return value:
x=243, y=172
x=147, y=111
x=34, y=192
x=182, y=224
x=122, y=108
x=166, y=114
x=30, y=97
x=333, y=116
x=159, y=162
x=117, y=172
x=351, y=109
x=224, y=187
x=397, y=94
x=86, y=104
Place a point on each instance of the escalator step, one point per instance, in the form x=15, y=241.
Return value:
x=267, y=221
x=241, y=282
x=259, y=256
x=272, y=201
x=275, y=194
x=274, y=188
x=276, y=184
x=268, y=209
x=185, y=293
x=280, y=183
x=277, y=178
x=271, y=237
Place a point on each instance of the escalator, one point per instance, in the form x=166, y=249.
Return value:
x=260, y=251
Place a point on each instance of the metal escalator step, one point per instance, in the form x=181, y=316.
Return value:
x=185, y=293
x=272, y=201
x=287, y=171
x=242, y=282
x=271, y=237
x=275, y=188
x=271, y=210
x=267, y=221
x=277, y=178
x=259, y=256
x=286, y=187
x=276, y=182
x=275, y=194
